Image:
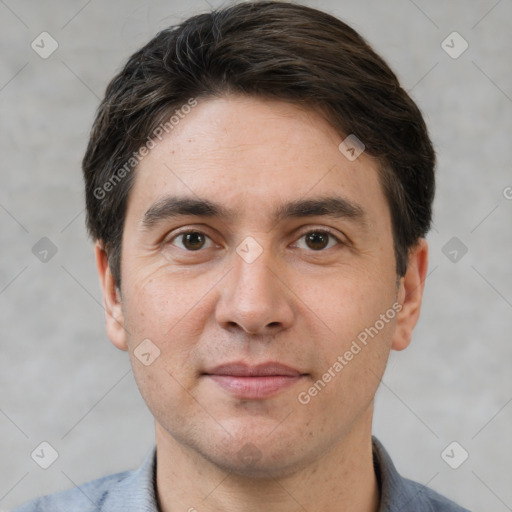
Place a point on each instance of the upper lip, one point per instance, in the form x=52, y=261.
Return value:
x=241, y=369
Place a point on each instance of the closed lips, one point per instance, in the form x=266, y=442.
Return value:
x=238, y=369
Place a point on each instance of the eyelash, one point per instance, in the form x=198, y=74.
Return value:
x=322, y=231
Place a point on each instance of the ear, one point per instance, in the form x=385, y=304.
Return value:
x=111, y=300
x=410, y=294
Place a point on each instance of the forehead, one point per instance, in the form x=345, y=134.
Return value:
x=253, y=154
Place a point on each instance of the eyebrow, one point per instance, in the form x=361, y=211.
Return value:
x=170, y=207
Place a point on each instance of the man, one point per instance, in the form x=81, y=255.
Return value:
x=259, y=187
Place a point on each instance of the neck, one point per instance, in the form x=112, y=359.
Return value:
x=341, y=479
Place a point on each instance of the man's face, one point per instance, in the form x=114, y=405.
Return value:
x=254, y=287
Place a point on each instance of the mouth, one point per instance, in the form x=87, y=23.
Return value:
x=254, y=382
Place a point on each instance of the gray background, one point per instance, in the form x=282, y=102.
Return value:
x=62, y=381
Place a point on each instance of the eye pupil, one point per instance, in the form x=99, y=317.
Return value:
x=193, y=241
x=316, y=240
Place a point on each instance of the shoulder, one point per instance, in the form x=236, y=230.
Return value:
x=88, y=497
x=430, y=500
x=399, y=493
x=129, y=491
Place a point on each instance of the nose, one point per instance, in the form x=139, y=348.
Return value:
x=255, y=297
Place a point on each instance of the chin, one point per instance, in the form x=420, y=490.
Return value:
x=247, y=462
x=256, y=456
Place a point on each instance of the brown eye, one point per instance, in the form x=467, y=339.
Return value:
x=191, y=240
x=318, y=240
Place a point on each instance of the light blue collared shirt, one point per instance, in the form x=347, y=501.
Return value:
x=135, y=491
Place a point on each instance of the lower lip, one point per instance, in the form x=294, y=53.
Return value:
x=254, y=387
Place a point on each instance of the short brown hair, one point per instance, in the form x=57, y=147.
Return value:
x=267, y=49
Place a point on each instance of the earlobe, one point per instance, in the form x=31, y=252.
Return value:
x=410, y=295
x=111, y=300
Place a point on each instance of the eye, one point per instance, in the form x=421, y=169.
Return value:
x=319, y=240
x=191, y=240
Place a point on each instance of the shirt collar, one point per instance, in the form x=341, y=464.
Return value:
x=137, y=492
x=396, y=492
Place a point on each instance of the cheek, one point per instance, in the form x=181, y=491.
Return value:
x=348, y=303
x=171, y=312
x=165, y=392
x=352, y=327
x=156, y=312
x=160, y=304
